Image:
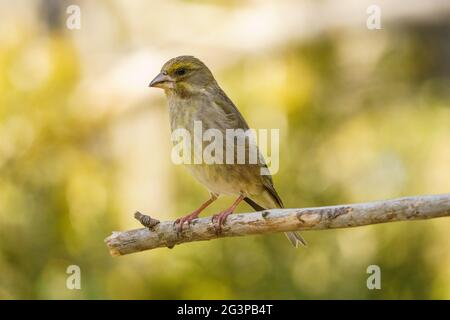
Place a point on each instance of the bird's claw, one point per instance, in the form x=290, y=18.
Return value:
x=178, y=223
x=220, y=217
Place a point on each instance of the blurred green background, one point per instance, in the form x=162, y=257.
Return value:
x=364, y=115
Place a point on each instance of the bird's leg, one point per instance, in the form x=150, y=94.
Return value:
x=221, y=216
x=194, y=215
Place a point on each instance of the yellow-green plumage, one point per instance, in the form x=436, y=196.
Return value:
x=194, y=95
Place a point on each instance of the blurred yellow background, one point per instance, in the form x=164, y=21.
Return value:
x=364, y=115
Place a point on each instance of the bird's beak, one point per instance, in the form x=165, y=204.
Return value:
x=160, y=81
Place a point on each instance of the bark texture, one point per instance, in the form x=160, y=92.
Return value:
x=164, y=234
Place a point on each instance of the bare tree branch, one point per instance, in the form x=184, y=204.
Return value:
x=279, y=220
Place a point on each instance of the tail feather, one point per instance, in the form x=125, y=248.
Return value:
x=254, y=205
x=294, y=237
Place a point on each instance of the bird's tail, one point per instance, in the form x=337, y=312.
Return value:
x=294, y=237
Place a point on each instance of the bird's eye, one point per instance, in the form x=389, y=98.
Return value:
x=180, y=72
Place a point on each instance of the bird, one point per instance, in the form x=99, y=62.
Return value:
x=193, y=95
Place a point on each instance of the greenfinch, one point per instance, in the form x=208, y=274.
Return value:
x=194, y=96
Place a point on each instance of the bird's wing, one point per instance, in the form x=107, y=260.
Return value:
x=268, y=184
x=236, y=120
x=269, y=198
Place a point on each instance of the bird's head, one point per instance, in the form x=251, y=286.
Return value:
x=183, y=74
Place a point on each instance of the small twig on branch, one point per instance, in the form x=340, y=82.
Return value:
x=145, y=220
x=164, y=234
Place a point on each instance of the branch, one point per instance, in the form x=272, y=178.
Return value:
x=278, y=220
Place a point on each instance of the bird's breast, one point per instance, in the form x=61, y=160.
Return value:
x=200, y=114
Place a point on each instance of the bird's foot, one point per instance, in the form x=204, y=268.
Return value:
x=180, y=221
x=219, y=219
